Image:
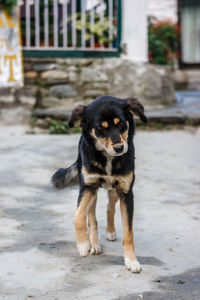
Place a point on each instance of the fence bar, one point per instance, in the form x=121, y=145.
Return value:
x=83, y=41
x=73, y=23
x=37, y=23
x=110, y=16
x=55, y=23
x=71, y=49
x=28, y=38
x=102, y=16
x=46, y=22
x=102, y=12
x=32, y=35
x=65, y=23
x=92, y=24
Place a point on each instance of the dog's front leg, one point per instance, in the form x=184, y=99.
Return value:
x=110, y=229
x=93, y=229
x=86, y=198
x=126, y=206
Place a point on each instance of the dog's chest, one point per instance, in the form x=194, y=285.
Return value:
x=108, y=180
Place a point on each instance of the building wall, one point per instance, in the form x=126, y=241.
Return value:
x=134, y=30
x=163, y=9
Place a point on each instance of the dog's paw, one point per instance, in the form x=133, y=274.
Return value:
x=111, y=236
x=84, y=248
x=132, y=265
x=95, y=250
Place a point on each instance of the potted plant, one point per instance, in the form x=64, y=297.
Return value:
x=99, y=30
x=163, y=39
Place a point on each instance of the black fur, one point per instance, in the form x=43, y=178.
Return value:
x=65, y=177
x=104, y=108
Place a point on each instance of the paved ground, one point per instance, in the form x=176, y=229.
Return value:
x=185, y=110
x=38, y=255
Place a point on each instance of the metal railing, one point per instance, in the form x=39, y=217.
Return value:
x=86, y=25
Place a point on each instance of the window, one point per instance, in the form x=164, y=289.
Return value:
x=190, y=31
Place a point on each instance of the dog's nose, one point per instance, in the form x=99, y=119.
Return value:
x=118, y=148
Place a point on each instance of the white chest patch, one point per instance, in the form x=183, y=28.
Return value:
x=108, y=178
x=109, y=166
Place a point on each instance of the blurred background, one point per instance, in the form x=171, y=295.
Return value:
x=55, y=54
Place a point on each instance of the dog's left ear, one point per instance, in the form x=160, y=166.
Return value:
x=135, y=107
x=77, y=115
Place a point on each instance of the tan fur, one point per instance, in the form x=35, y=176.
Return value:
x=106, y=145
x=80, y=216
x=127, y=240
x=77, y=123
x=125, y=133
x=89, y=178
x=99, y=143
x=116, y=121
x=124, y=181
x=92, y=223
x=96, y=164
x=131, y=111
x=113, y=197
x=104, y=124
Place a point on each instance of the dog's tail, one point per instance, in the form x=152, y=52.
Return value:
x=66, y=177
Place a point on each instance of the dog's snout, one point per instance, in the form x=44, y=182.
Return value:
x=118, y=148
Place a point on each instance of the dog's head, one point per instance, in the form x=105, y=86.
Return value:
x=107, y=121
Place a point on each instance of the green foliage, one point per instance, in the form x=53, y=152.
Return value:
x=99, y=30
x=163, y=38
x=75, y=130
x=58, y=127
x=8, y=4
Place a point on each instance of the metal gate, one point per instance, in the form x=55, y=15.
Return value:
x=71, y=27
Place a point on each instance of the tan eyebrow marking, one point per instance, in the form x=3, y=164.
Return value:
x=116, y=121
x=104, y=124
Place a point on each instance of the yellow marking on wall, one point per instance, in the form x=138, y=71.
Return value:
x=11, y=60
x=6, y=20
x=5, y=42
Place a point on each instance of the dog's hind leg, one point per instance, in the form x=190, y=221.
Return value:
x=126, y=206
x=110, y=229
x=93, y=229
x=86, y=199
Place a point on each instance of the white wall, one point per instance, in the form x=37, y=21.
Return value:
x=134, y=29
x=134, y=26
x=163, y=9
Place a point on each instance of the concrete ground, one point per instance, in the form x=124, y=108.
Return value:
x=186, y=110
x=38, y=255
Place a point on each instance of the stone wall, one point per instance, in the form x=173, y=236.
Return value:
x=187, y=79
x=63, y=83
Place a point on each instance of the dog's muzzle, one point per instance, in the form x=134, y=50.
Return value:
x=119, y=148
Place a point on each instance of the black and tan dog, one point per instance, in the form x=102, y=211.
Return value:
x=105, y=159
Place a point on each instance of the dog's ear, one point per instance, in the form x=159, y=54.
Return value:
x=76, y=118
x=135, y=107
